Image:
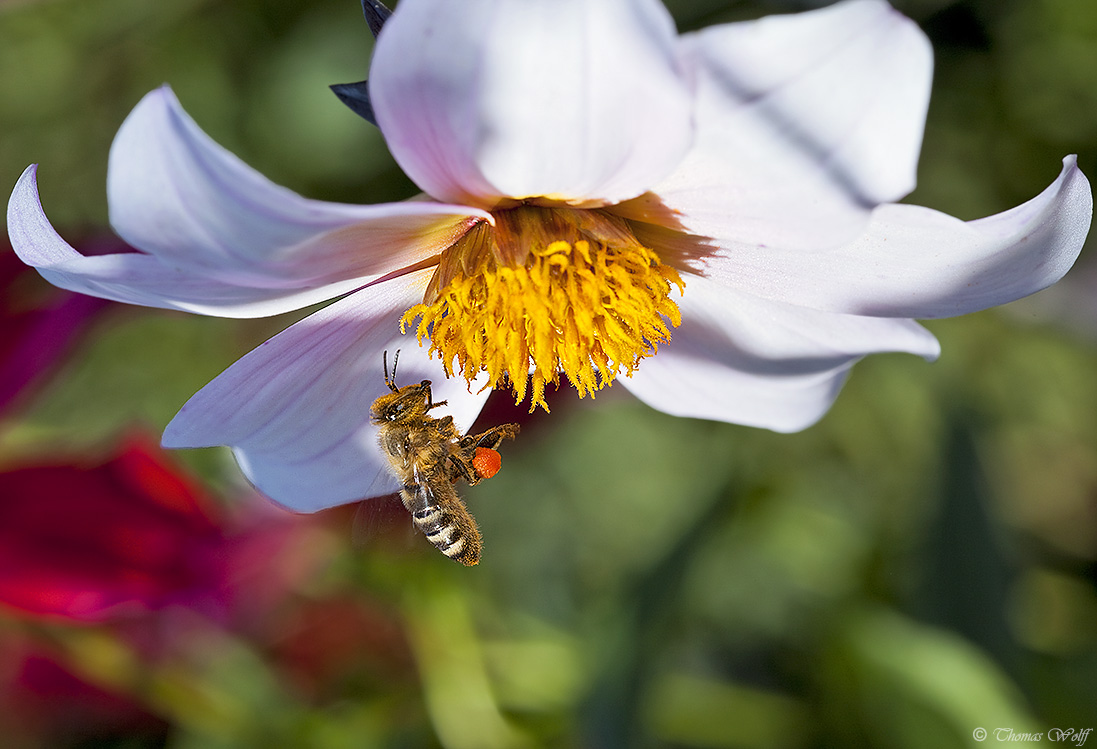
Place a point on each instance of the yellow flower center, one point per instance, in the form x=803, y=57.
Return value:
x=547, y=291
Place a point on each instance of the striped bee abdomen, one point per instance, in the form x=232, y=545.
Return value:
x=439, y=513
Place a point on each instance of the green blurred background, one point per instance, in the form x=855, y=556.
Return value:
x=920, y=564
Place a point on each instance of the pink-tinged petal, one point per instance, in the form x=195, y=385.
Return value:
x=296, y=409
x=917, y=262
x=137, y=278
x=804, y=122
x=746, y=360
x=176, y=194
x=578, y=100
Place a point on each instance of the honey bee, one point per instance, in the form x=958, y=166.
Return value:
x=429, y=456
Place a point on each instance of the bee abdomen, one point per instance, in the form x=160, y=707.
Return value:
x=450, y=528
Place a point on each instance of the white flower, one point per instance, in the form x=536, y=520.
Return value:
x=582, y=165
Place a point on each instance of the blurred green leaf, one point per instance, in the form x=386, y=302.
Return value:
x=694, y=712
x=456, y=686
x=915, y=687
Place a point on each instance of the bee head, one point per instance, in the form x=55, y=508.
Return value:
x=402, y=404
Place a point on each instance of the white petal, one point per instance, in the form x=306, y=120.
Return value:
x=176, y=194
x=804, y=122
x=133, y=278
x=917, y=262
x=296, y=409
x=579, y=100
x=745, y=360
x=137, y=278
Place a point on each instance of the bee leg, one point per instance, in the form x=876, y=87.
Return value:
x=425, y=387
x=492, y=438
x=459, y=468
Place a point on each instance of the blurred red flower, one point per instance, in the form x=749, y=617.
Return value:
x=45, y=704
x=87, y=542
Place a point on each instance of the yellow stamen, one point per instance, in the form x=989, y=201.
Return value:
x=547, y=291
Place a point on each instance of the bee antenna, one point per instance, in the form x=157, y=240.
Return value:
x=390, y=380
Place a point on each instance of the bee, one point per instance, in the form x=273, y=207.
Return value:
x=429, y=456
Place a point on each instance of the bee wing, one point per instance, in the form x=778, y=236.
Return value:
x=381, y=521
